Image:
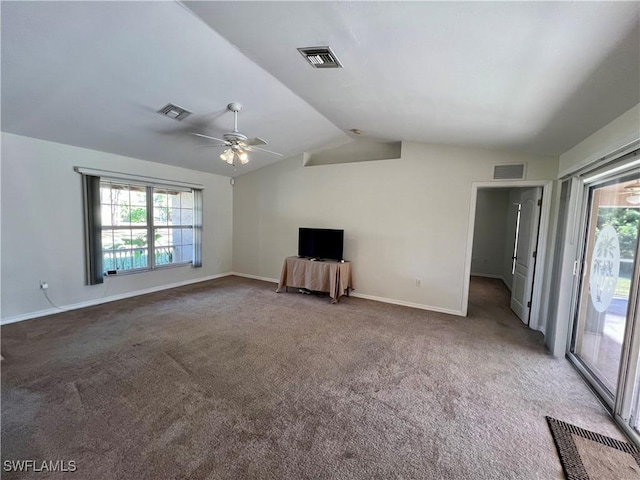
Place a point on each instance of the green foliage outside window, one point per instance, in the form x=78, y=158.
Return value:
x=625, y=221
x=133, y=214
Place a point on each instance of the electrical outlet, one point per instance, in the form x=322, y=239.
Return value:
x=418, y=282
x=43, y=284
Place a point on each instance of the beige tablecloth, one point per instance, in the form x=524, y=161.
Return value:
x=328, y=276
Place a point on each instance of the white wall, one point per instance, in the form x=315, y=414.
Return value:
x=403, y=219
x=42, y=226
x=489, y=233
x=618, y=133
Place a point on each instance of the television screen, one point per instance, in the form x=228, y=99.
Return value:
x=320, y=243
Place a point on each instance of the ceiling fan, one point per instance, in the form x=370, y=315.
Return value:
x=237, y=144
x=633, y=193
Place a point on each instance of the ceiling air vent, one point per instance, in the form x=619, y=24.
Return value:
x=173, y=111
x=509, y=172
x=320, y=57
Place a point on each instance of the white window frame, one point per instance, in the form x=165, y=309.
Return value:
x=94, y=227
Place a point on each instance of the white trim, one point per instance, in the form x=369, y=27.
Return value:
x=611, y=171
x=112, y=298
x=255, y=277
x=464, y=307
x=153, y=181
x=561, y=312
x=98, y=301
x=512, y=184
x=547, y=190
x=407, y=304
x=367, y=297
x=602, y=157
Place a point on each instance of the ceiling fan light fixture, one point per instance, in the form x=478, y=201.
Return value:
x=633, y=199
x=227, y=156
x=236, y=145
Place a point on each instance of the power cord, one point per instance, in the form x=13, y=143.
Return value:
x=46, y=295
x=107, y=282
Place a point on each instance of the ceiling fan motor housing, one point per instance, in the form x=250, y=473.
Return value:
x=234, y=137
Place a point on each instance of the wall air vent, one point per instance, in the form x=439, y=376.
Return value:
x=320, y=57
x=509, y=172
x=173, y=111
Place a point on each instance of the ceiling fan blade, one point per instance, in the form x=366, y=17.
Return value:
x=210, y=138
x=212, y=145
x=254, y=141
x=265, y=150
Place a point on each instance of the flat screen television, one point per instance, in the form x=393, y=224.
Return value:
x=320, y=243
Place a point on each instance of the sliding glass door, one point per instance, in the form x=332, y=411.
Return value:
x=606, y=330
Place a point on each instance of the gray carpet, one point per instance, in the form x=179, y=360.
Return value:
x=227, y=379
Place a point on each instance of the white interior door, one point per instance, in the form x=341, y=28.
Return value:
x=525, y=252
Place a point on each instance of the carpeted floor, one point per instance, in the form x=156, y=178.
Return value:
x=227, y=379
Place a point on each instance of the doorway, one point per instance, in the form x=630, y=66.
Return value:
x=507, y=240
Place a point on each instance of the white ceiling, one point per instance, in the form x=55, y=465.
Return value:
x=525, y=76
x=94, y=74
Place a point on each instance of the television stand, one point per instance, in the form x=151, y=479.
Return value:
x=329, y=276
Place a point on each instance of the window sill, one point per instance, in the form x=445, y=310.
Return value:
x=144, y=270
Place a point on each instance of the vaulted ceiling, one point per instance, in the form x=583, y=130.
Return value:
x=533, y=77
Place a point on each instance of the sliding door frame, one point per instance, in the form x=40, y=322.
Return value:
x=585, y=206
x=563, y=277
x=623, y=408
x=621, y=405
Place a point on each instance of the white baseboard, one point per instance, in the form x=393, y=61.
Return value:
x=255, y=277
x=407, y=304
x=367, y=297
x=112, y=298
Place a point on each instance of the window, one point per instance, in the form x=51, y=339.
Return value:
x=133, y=227
x=173, y=226
x=125, y=229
